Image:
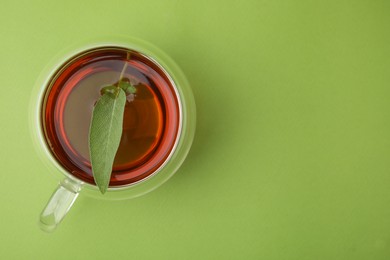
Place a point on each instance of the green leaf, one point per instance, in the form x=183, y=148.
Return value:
x=105, y=135
x=108, y=89
x=127, y=87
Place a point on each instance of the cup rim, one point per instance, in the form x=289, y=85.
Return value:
x=182, y=92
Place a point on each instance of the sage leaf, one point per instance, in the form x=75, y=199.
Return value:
x=105, y=135
x=127, y=87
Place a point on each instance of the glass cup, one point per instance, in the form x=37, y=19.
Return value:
x=70, y=186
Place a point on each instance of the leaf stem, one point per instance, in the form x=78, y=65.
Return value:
x=124, y=67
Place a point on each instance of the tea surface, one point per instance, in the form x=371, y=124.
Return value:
x=151, y=116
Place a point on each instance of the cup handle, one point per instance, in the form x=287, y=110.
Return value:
x=59, y=204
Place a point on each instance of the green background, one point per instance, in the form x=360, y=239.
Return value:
x=291, y=156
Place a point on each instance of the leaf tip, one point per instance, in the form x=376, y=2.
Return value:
x=102, y=187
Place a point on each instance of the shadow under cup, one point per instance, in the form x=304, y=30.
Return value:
x=151, y=117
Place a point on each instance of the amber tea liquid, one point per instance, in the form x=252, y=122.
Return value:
x=151, y=117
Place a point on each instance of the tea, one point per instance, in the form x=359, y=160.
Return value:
x=151, y=117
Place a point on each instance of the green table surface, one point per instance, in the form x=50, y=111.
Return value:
x=291, y=157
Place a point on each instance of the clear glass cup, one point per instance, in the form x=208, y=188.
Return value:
x=69, y=186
